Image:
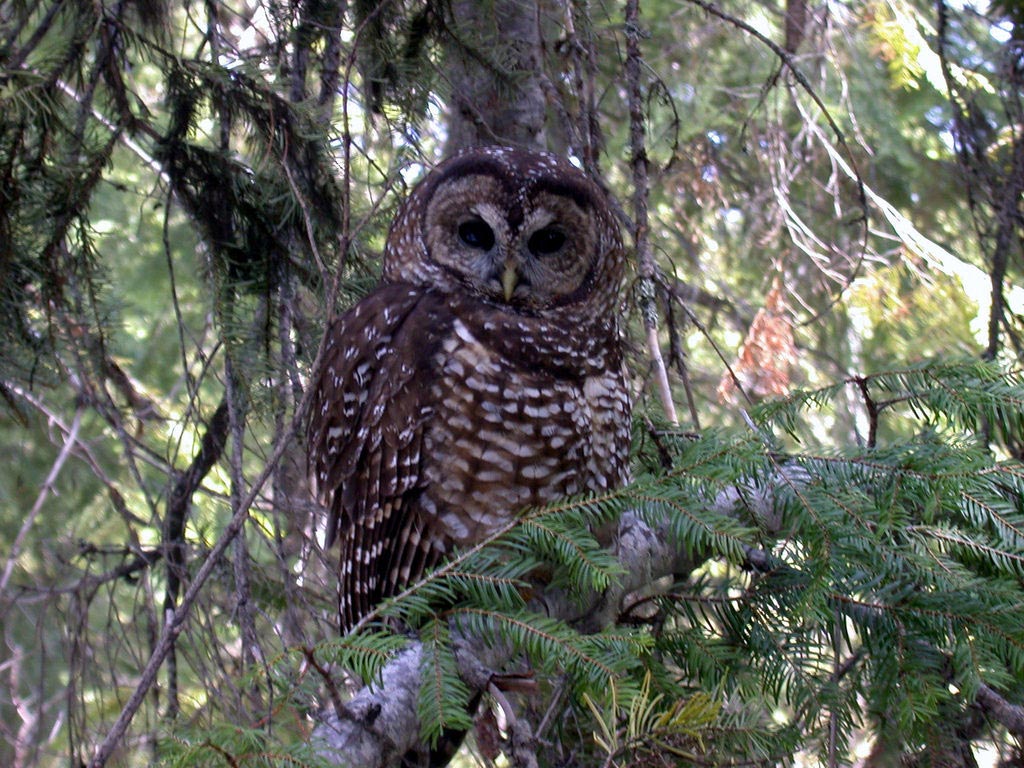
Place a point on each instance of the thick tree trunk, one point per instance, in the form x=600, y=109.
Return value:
x=493, y=67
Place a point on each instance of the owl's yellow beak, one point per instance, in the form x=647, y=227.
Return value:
x=509, y=279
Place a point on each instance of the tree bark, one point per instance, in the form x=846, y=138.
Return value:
x=493, y=59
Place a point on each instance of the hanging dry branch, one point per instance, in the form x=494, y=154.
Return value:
x=175, y=623
x=646, y=294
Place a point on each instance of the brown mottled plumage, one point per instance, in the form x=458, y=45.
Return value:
x=483, y=376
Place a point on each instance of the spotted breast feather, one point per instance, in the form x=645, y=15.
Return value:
x=431, y=434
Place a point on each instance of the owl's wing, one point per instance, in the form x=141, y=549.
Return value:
x=365, y=440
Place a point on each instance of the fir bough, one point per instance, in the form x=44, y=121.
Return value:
x=826, y=592
x=872, y=586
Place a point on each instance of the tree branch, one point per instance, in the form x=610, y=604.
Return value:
x=379, y=725
x=178, y=505
x=641, y=227
x=44, y=493
x=176, y=622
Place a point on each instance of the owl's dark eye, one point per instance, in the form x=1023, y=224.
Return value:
x=476, y=234
x=546, y=241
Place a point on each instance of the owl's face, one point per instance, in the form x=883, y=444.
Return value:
x=522, y=230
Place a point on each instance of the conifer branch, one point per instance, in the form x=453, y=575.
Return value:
x=381, y=723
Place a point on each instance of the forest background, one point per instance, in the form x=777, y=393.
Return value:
x=825, y=314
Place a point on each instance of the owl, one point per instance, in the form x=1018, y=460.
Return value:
x=482, y=377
